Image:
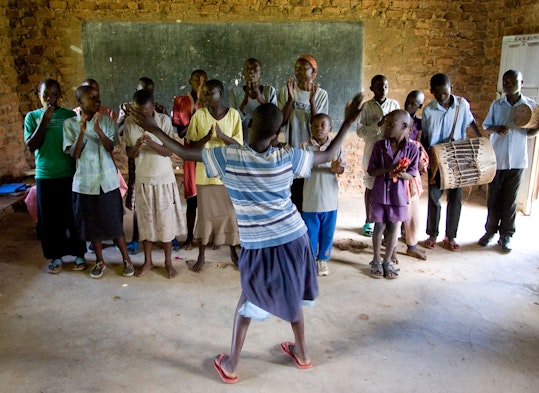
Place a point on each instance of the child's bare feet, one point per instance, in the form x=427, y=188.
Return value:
x=170, y=270
x=143, y=269
x=415, y=253
x=394, y=258
x=199, y=265
x=215, y=246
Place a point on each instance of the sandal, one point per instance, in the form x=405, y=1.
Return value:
x=429, y=243
x=450, y=245
x=390, y=271
x=368, y=229
x=80, y=264
x=55, y=266
x=377, y=269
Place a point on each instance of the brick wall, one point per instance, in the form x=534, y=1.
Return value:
x=407, y=41
x=12, y=150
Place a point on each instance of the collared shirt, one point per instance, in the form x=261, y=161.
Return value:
x=385, y=191
x=321, y=189
x=367, y=127
x=259, y=188
x=95, y=168
x=437, y=122
x=512, y=149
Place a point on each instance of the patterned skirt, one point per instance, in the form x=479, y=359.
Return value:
x=159, y=212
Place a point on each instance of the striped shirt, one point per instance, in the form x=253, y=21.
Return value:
x=259, y=187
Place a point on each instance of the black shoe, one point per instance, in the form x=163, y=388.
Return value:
x=486, y=239
x=505, y=243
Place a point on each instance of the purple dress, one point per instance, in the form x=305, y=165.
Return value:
x=385, y=191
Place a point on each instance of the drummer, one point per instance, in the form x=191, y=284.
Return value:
x=444, y=119
x=510, y=145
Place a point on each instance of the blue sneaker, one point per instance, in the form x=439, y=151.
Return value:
x=132, y=248
x=176, y=246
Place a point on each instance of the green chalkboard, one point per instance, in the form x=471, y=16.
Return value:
x=117, y=54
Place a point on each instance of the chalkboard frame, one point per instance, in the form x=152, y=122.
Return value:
x=117, y=54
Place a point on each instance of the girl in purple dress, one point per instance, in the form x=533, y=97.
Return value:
x=393, y=160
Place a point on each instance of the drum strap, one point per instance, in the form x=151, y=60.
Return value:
x=455, y=121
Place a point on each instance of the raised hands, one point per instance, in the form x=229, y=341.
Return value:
x=291, y=86
x=353, y=108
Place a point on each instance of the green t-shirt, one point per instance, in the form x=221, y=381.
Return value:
x=51, y=161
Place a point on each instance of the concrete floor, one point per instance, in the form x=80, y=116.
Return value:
x=459, y=322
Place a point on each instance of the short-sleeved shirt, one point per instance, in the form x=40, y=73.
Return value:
x=385, y=191
x=235, y=99
x=51, y=161
x=512, y=149
x=437, y=122
x=321, y=189
x=368, y=120
x=151, y=167
x=259, y=188
x=96, y=170
x=200, y=125
x=298, y=129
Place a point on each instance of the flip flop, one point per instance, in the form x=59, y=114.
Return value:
x=429, y=243
x=450, y=245
x=285, y=347
x=368, y=229
x=217, y=365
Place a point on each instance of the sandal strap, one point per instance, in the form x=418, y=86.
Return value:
x=376, y=267
x=390, y=268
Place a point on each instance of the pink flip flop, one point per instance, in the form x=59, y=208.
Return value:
x=217, y=365
x=285, y=347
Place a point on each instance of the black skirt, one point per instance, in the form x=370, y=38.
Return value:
x=99, y=217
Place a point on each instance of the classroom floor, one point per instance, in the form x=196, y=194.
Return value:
x=463, y=321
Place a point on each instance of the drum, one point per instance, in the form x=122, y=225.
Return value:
x=526, y=116
x=470, y=162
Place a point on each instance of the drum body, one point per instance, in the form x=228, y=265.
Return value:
x=526, y=116
x=470, y=162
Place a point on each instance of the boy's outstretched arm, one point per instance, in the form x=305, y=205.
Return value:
x=148, y=123
x=351, y=113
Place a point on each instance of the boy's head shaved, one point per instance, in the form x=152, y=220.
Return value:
x=215, y=83
x=416, y=95
x=266, y=121
x=440, y=80
x=82, y=90
x=142, y=97
x=378, y=78
x=320, y=116
x=516, y=73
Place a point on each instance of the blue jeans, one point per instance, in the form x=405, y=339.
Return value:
x=321, y=228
